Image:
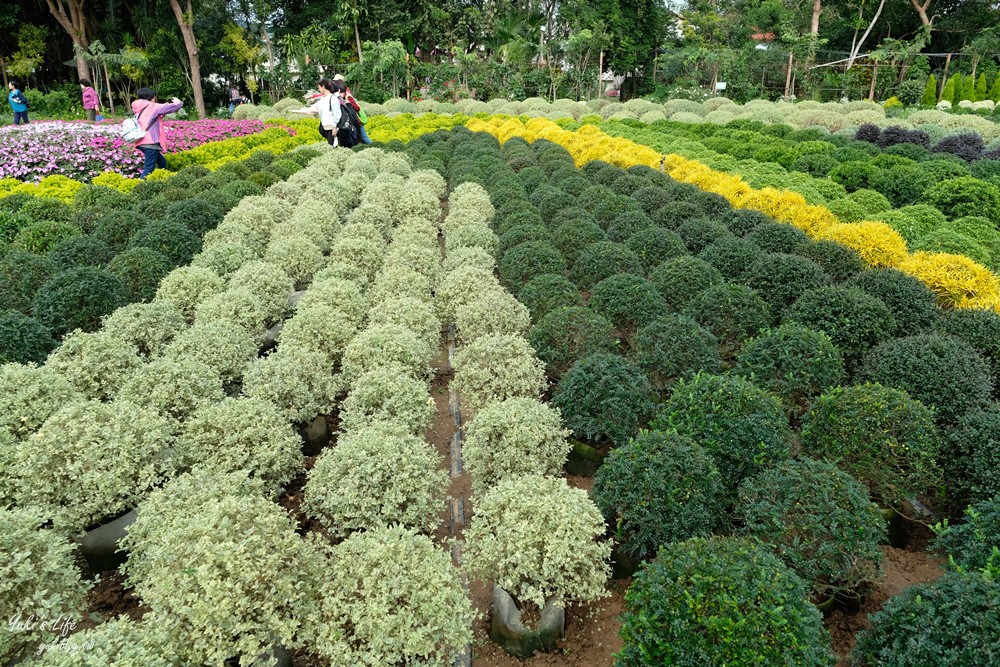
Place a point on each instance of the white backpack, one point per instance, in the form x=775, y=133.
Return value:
x=131, y=131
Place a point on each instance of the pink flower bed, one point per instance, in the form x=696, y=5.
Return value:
x=83, y=150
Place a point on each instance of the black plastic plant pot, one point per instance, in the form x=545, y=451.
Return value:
x=99, y=546
x=507, y=630
x=315, y=436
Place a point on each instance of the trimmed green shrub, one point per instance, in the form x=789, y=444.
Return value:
x=792, y=361
x=573, y=236
x=22, y=339
x=81, y=251
x=699, y=233
x=376, y=477
x=837, y=260
x=731, y=313
x=171, y=239
x=527, y=260
x=959, y=197
x=741, y=221
x=518, y=436
x=140, y=270
x=565, y=335
x=556, y=531
x=605, y=397
x=974, y=544
x=854, y=320
x=41, y=237
x=654, y=245
x=720, y=601
x=196, y=214
x=672, y=347
x=941, y=371
x=627, y=225
x=950, y=622
x=659, y=488
x=519, y=234
x=780, y=279
x=979, y=328
x=878, y=435
x=792, y=508
x=972, y=458
x=777, y=237
x=732, y=257
x=77, y=299
x=547, y=292
x=742, y=427
x=681, y=278
x=627, y=301
x=911, y=302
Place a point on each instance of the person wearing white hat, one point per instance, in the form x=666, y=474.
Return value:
x=349, y=97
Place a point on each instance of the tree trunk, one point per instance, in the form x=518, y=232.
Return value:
x=922, y=11
x=111, y=96
x=857, y=47
x=814, y=25
x=357, y=39
x=69, y=14
x=185, y=21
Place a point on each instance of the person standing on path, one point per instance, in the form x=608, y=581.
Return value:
x=91, y=101
x=148, y=113
x=349, y=97
x=18, y=103
x=235, y=99
x=327, y=107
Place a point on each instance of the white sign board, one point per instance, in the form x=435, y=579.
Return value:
x=720, y=85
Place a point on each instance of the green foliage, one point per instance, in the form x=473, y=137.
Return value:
x=854, y=320
x=604, y=397
x=81, y=251
x=930, y=96
x=41, y=237
x=731, y=313
x=792, y=361
x=732, y=257
x=949, y=622
x=792, y=508
x=743, y=428
x=959, y=197
x=171, y=239
x=680, y=279
x=777, y=237
x=601, y=260
x=780, y=279
x=627, y=301
x=659, y=488
x=77, y=299
x=573, y=236
x=974, y=544
x=837, y=260
x=673, y=347
x=941, y=371
x=878, y=435
x=911, y=302
x=972, y=458
x=720, y=601
x=547, y=292
x=527, y=260
x=140, y=270
x=654, y=245
x=22, y=339
x=565, y=335
x=29, y=395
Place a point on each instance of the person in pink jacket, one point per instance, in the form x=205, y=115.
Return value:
x=90, y=99
x=148, y=113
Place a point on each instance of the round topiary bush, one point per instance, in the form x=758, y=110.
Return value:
x=249, y=574
x=979, y=328
x=853, y=319
x=627, y=301
x=950, y=622
x=732, y=257
x=681, y=278
x=720, y=601
x=84, y=250
x=97, y=364
x=672, y=347
x=655, y=245
x=515, y=236
x=731, y=313
x=547, y=292
x=941, y=371
x=90, y=461
x=22, y=339
x=626, y=225
x=604, y=397
x=910, y=301
x=793, y=362
x=959, y=197
x=77, y=299
x=361, y=617
x=776, y=237
x=196, y=214
x=492, y=312
x=495, y=368
x=699, y=233
x=601, y=260
x=971, y=459
x=878, y=435
x=140, y=270
x=385, y=345
x=297, y=381
x=780, y=279
x=376, y=477
x=507, y=439
x=242, y=434
x=566, y=335
x=573, y=236
x=29, y=395
x=974, y=544
x=743, y=428
x=188, y=286
x=174, y=388
x=171, y=239
x=555, y=529
x=792, y=507
x=41, y=237
x=41, y=583
x=21, y=274
x=837, y=260
x=527, y=260
x=387, y=395
x=659, y=488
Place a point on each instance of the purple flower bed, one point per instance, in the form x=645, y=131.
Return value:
x=82, y=150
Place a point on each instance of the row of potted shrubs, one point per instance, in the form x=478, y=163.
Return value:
x=720, y=445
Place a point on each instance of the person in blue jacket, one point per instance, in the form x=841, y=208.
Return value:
x=18, y=103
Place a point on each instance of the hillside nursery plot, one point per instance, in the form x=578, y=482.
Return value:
x=502, y=390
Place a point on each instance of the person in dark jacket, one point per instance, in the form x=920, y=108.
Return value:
x=18, y=103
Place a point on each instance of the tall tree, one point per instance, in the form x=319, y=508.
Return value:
x=185, y=21
x=71, y=17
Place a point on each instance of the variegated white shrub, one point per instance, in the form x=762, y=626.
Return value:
x=188, y=286
x=31, y=394
x=97, y=364
x=387, y=395
x=495, y=368
x=386, y=345
x=222, y=346
x=492, y=312
x=299, y=382
x=148, y=327
x=173, y=388
x=320, y=328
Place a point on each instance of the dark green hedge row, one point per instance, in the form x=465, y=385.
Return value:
x=65, y=266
